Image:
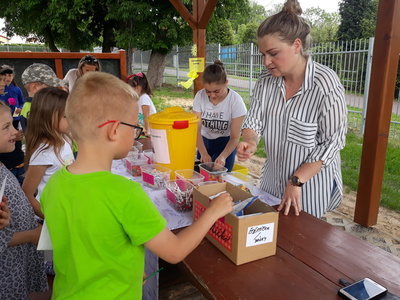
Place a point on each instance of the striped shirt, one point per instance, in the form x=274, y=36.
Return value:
x=309, y=127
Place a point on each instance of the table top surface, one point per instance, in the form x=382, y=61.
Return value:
x=311, y=257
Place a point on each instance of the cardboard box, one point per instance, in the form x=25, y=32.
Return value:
x=241, y=239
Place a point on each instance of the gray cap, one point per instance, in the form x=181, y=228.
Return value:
x=41, y=73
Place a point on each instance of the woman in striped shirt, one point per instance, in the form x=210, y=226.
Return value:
x=298, y=107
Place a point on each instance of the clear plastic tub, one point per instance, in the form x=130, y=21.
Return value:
x=190, y=175
x=240, y=180
x=149, y=154
x=155, y=175
x=212, y=171
x=180, y=194
x=138, y=146
x=133, y=163
x=207, y=182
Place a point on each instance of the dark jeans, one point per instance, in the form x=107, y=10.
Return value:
x=215, y=148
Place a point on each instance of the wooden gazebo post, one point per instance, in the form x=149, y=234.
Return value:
x=380, y=101
x=202, y=11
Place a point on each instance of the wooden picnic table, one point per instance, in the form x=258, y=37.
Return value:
x=311, y=257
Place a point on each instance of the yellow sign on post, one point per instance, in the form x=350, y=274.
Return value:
x=196, y=64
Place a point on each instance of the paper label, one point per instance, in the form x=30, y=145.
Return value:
x=220, y=231
x=196, y=64
x=3, y=186
x=260, y=234
x=148, y=178
x=44, y=239
x=160, y=145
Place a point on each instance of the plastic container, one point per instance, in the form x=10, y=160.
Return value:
x=190, y=175
x=138, y=146
x=207, y=182
x=212, y=171
x=240, y=169
x=180, y=194
x=173, y=134
x=149, y=154
x=244, y=182
x=155, y=175
x=133, y=163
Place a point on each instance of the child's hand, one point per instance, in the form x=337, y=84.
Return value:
x=220, y=160
x=4, y=213
x=144, y=278
x=221, y=205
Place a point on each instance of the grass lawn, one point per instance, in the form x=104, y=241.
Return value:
x=351, y=154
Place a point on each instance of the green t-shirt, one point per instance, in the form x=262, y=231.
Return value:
x=98, y=223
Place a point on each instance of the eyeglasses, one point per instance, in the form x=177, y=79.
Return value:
x=138, y=129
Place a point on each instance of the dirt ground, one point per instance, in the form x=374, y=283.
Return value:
x=388, y=220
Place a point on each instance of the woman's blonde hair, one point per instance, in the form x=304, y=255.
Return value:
x=288, y=25
x=88, y=60
x=47, y=109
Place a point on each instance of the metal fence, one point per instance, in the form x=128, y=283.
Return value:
x=351, y=60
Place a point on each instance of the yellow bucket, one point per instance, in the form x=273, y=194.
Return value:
x=173, y=134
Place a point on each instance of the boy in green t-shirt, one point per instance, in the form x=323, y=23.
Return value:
x=99, y=222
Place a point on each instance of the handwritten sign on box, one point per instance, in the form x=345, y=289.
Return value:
x=260, y=234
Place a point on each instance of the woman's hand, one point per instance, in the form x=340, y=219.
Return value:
x=291, y=197
x=4, y=213
x=35, y=234
x=245, y=150
x=220, y=160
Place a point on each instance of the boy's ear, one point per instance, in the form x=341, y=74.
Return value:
x=112, y=131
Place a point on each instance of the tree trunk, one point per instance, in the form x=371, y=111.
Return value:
x=129, y=60
x=108, y=37
x=50, y=40
x=156, y=69
x=73, y=42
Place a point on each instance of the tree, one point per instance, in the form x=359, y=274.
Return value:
x=358, y=19
x=71, y=23
x=219, y=31
x=324, y=25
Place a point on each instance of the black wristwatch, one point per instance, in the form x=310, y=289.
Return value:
x=294, y=180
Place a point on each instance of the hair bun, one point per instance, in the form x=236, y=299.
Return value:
x=219, y=63
x=292, y=7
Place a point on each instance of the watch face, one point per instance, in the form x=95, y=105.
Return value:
x=295, y=181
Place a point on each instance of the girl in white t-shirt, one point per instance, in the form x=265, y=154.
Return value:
x=146, y=106
x=47, y=142
x=221, y=112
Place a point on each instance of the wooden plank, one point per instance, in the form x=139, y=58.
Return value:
x=184, y=12
x=122, y=64
x=55, y=55
x=277, y=277
x=59, y=69
x=336, y=254
x=380, y=101
x=207, y=12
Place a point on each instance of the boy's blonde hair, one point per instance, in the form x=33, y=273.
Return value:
x=97, y=97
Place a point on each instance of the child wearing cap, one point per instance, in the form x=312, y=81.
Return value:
x=34, y=78
x=99, y=222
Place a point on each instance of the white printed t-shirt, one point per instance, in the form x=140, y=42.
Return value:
x=145, y=100
x=216, y=119
x=47, y=157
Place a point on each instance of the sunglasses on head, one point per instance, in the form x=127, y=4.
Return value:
x=90, y=59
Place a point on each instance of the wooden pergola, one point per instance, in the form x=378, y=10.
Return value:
x=380, y=99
